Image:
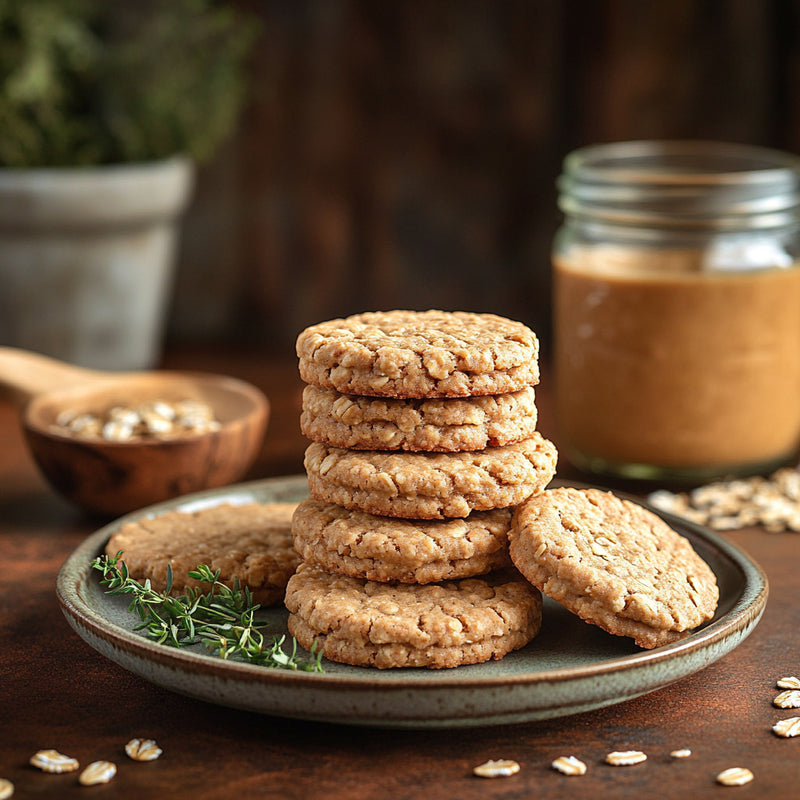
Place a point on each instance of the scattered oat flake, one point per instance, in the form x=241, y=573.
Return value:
x=773, y=503
x=683, y=753
x=6, y=788
x=787, y=728
x=569, y=765
x=53, y=761
x=788, y=699
x=97, y=772
x=501, y=768
x=143, y=749
x=624, y=758
x=789, y=683
x=735, y=776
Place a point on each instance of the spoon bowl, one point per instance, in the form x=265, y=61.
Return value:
x=110, y=478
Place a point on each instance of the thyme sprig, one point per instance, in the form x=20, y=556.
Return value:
x=223, y=618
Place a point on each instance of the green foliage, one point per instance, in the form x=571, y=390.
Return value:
x=87, y=82
x=223, y=619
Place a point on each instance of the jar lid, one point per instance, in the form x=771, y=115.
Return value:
x=690, y=184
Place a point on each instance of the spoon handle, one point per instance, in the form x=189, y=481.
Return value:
x=23, y=374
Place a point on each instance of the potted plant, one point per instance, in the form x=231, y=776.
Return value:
x=105, y=108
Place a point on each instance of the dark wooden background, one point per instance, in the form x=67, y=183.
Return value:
x=403, y=154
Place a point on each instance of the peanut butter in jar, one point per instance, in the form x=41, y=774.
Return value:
x=677, y=310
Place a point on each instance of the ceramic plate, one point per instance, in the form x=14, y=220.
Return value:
x=568, y=668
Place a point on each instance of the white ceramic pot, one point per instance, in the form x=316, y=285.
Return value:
x=87, y=258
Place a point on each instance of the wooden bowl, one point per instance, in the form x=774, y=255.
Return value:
x=110, y=477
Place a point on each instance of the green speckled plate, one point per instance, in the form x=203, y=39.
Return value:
x=569, y=667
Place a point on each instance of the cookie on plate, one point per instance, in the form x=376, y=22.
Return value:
x=386, y=625
x=432, y=425
x=408, y=551
x=419, y=354
x=430, y=485
x=251, y=542
x=613, y=563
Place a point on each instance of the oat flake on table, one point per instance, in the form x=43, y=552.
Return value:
x=143, y=749
x=569, y=765
x=625, y=758
x=500, y=768
x=788, y=699
x=53, y=761
x=97, y=772
x=735, y=776
x=787, y=728
x=772, y=503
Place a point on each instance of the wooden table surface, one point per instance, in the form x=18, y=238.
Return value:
x=57, y=692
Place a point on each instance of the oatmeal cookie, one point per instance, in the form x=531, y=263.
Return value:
x=613, y=563
x=251, y=542
x=429, y=425
x=407, y=551
x=438, y=625
x=419, y=354
x=430, y=485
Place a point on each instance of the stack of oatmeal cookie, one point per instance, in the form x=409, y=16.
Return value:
x=423, y=440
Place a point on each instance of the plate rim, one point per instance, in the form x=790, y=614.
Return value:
x=741, y=618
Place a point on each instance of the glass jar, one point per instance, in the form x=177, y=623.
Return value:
x=677, y=310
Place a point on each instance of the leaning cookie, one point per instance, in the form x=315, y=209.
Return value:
x=385, y=625
x=251, y=542
x=435, y=425
x=430, y=485
x=613, y=563
x=419, y=354
x=408, y=551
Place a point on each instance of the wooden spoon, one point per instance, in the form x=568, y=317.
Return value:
x=111, y=477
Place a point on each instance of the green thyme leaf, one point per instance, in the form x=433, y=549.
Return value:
x=221, y=618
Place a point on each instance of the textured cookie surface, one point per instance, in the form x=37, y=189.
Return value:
x=387, y=625
x=440, y=424
x=613, y=563
x=430, y=485
x=419, y=354
x=251, y=542
x=409, y=551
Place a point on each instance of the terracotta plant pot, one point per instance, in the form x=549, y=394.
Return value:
x=87, y=257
